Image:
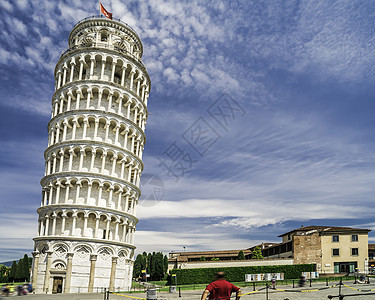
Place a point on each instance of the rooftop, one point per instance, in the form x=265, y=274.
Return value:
x=210, y=252
x=264, y=246
x=184, y=256
x=104, y=18
x=326, y=229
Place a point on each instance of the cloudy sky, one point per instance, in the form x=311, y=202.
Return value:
x=261, y=117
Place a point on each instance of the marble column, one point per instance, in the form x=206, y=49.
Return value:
x=35, y=268
x=68, y=276
x=113, y=274
x=93, y=259
x=47, y=275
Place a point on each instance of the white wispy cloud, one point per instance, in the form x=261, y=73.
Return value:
x=247, y=213
x=6, y=5
x=174, y=241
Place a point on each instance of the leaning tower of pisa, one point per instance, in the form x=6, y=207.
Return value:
x=93, y=162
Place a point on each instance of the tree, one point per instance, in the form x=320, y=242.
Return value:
x=20, y=271
x=148, y=262
x=144, y=254
x=215, y=259
x=12, y=272
x=256, y=253
x=19, y=275
x=158, y=262
x=151, y=268
x=156, y=265
x=202, y=258
x=30, y=262
x=4, y=273
x=25, y=268
x=138, y=264
x=241, y=255
x=165, y=264
x=137, y=267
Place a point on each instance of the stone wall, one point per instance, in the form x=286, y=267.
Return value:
x=307, y=249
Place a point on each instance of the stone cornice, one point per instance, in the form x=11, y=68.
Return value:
x=90, y=143
x=101, y=84
x=103, y=114
x=53, y=207
x=90, y=175
x=83, y=239
x=90, y=49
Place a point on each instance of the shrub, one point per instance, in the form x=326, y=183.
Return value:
x=236, y=274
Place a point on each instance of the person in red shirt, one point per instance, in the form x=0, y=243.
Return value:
x=220, y=289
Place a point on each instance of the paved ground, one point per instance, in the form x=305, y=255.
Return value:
x=309, y=294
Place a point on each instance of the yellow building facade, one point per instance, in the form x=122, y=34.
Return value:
x=344, y=251
x=332, y=249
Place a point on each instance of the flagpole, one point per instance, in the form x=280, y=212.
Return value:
x=99, y=9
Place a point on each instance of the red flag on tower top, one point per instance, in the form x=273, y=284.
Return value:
x=105, y=12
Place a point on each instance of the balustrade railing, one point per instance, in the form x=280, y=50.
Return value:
x=103, y=17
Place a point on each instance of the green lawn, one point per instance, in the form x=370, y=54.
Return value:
x=160, y=282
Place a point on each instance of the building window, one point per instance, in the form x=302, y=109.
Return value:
x=335, y=252
x=354, y=237
x=103, y=36
x=371, y=255
x=335, y=238
x=354, y=251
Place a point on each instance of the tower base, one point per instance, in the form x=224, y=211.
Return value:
x=81, y=267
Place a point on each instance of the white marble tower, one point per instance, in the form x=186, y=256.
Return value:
x=93, y=162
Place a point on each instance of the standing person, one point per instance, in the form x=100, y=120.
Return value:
x=302, y=281
x=220, y=289
x=273, y=282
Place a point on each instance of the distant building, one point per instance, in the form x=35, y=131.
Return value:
x=219, y=259
x=223, y=255
x=332, y=249
x=182, y=257
x=263, y=246
x=177, y=259
x=371, y=256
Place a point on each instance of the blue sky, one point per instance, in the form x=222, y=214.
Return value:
x=268, y=104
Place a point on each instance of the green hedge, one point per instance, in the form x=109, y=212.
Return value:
x=235, y=274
